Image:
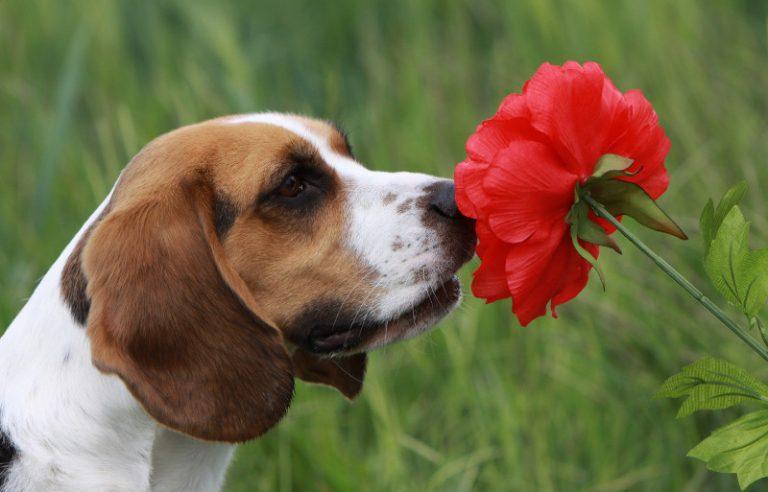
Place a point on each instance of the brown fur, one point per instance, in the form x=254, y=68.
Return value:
x=344, y=373
x=191, y=323
x=337, y=140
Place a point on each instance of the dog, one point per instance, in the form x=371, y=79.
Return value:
x=231, y=257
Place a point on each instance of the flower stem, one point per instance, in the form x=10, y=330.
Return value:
x=678, y=278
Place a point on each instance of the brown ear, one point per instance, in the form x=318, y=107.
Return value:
x=176, y=323
x=345, y=373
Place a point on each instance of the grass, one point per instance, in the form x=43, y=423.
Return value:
x=478, y=404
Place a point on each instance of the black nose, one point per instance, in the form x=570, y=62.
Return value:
x=442, y=199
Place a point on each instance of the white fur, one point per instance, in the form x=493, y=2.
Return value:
x=77, y=429
x=375, y=225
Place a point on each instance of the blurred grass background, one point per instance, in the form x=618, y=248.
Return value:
x=478, y=404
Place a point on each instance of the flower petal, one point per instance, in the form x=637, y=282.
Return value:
x=574, y=106
x=542, y=271
x=575, y=276
x=528, y=189
x=637, y=134
x=489, y=281
x=521, y=170
x=494, y=135
x=513, y=106
x=470, y=197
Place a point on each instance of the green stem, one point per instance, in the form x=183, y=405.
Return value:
x=678, y=278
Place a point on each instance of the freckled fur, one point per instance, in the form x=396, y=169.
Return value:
x=389, y=198
x=405, y=206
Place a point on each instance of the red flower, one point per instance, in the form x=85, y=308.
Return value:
x=522, y=167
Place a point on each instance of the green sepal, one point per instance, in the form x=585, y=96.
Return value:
x=587, y=230
x=625, y=198
x=593, y=233
x=583, y=228
x=611, y=163
x=587, y=256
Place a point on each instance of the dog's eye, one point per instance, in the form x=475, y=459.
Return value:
x=291, y=187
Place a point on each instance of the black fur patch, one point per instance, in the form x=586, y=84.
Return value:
x=7, y=455
x=73, y=286
x=224, y=215
x=73, y=282
x=329, y=326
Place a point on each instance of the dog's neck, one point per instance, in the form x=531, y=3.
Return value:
x=74, y=428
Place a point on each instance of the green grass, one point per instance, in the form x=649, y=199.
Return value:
x=478, y=404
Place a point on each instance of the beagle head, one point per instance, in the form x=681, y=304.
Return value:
x=239, y=253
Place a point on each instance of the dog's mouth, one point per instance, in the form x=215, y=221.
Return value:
x=358, y=335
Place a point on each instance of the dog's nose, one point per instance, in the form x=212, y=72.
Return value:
x=442, y=199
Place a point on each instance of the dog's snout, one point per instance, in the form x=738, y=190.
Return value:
x=442, y=199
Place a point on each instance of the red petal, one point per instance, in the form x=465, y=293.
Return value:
x=638, y=135
x=494, y=135
x=470, y=197
x=490, y=281
x=513, y=106
x=543, y=271
x=655, y=184
x=529, y=189
x=577, y=274
x=574, y=106
x=607, y=226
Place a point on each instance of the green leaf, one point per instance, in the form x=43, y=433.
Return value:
x=732, y=197
x=738, y=273
x=611, y=162
x=625, y=198
x=706, y=224
x=712, y=384
x=761, y=328
x=712, y=219
x=740, y=447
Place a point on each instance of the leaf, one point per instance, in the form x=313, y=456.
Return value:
x=740, y=447
x=611, y=162
x=712, y=219
x=706, y=224
x=712, y=384
x=732, y=197
x=625, y=198
x=761, y=328
x=738, y=273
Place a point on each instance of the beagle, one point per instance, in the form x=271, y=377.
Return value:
x=231, y=257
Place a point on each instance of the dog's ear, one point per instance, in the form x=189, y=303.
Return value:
x=177, y=323
x=345, y=373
